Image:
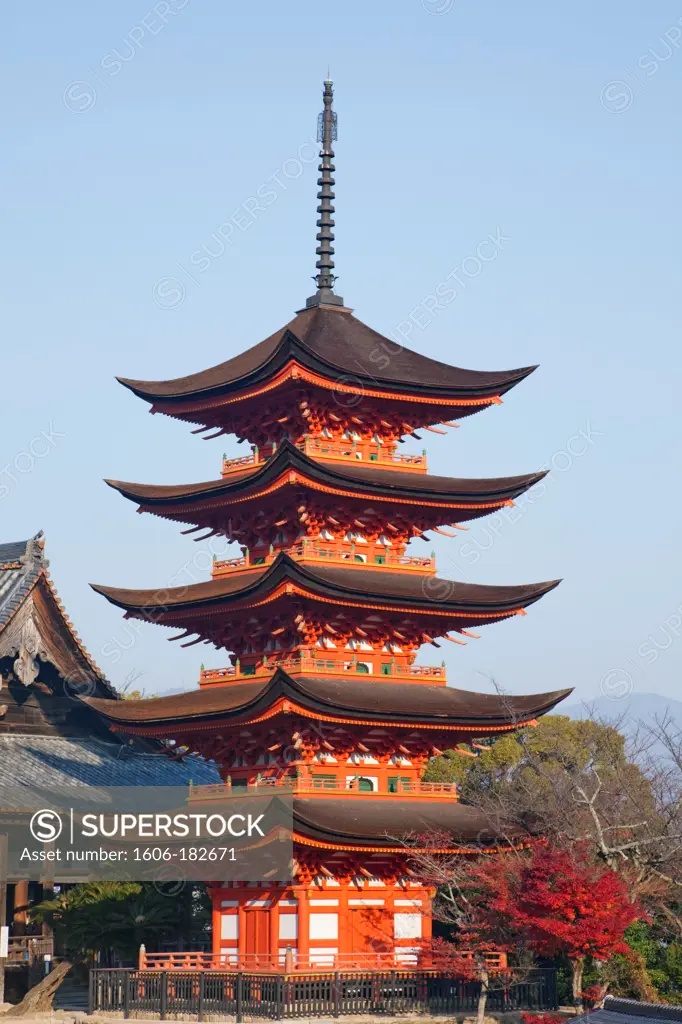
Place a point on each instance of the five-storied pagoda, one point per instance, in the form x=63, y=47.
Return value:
x=324, y=612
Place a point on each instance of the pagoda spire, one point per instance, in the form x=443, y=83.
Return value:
x=326, y=135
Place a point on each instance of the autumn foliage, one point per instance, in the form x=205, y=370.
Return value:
x=567, y=904
x=546, y=901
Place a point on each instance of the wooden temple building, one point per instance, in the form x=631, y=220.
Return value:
x=49, y=737
x=323, y=614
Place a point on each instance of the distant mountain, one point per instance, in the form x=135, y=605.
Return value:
x=637, y=707
x=629, y=713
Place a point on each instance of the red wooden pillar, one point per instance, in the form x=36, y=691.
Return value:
x=344, y=921
x=216, y=919
x=241, y=930
x=19, y=917
x=303, y=926
x=274, y=928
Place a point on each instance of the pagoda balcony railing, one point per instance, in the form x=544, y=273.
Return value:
x=240, y=464
x=331, y=450
x=326, y=786
x=303, y=664
x=347, y=450
x=313, y=551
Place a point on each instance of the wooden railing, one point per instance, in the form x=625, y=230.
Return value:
x=27, y=948
x=401, y=788
x=366, y=452
x=385, y=988
x=362, y=451
x=265, y=962
x=307, y=665
x=312, y=550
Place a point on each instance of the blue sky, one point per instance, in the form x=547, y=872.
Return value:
x=134, y=131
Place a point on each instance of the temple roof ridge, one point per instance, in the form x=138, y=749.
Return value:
x=333, y=340
x=412, y=703
x=366, y=585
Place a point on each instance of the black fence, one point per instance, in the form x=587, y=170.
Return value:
x=275, y=996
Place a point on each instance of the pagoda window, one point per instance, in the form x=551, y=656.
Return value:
x=362, y=784
x=380, y=559
x=360, y=558
x=399, y=783
x=258, y=561
x=363, y=668
x=324, y=781
x=386, y=669
x=248, y=670
x=239, y=783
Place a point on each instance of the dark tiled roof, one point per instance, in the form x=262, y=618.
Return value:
x=56, y=762
x=21, y=563
x=382, y=823
x=368, y=586
x=372, y=479
x=630, y=1011
x=330, y=342
x=346, y=695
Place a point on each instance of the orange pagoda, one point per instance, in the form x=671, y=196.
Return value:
x=324, y=612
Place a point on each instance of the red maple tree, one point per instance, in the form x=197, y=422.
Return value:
x=565, y=903
x=546, y=901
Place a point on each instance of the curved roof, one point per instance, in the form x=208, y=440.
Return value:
x=332, y=342
x=23, y=571
x=369, y=479
x=383, y=823
x=349, y=697
x=428, y=593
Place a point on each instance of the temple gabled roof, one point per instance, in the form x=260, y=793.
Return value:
x=333, y=343
x=342, y=697
x=369, y=479
x=479, y=603
x=33, y=621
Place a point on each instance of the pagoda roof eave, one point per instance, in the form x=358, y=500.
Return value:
x=389, y=589
x=336, y=699
x=375, y=825
x=331, y=342
x=370, y=479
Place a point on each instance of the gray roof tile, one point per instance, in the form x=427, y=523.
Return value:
x=58, y=762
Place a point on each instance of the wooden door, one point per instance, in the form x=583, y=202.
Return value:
x=257, y=939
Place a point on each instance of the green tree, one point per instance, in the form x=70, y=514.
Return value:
x=104, y=920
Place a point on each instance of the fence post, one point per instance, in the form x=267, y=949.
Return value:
x=163, y=997
x=127, y=978
x=337, y=994
x=91, y=990
x=240, y=998
x=200, y=1007
x=553, y=995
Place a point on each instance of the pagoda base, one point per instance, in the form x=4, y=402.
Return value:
x=329, y=926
